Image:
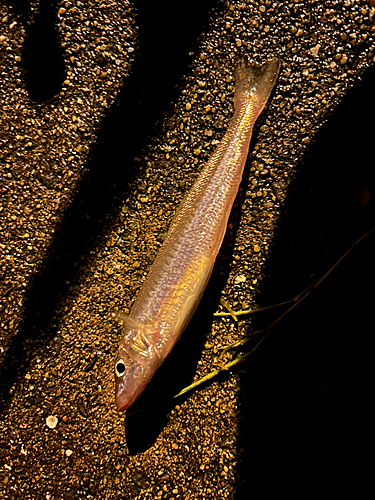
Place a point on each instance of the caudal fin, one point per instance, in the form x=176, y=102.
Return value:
x=255, y=81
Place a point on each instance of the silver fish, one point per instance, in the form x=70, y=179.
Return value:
x=180, y=272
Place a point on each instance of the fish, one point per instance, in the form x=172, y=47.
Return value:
x=178, y=276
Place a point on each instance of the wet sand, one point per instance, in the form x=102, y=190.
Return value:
x=106, y=121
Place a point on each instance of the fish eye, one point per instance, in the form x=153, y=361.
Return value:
x=120, y=368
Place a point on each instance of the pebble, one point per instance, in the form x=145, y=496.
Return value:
x=315, y=50
x=51, y=421
x=344, y=59
x=241, y=278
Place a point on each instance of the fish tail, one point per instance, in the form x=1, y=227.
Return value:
x=255, y=83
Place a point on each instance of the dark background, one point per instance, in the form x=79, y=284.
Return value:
x=307, y=402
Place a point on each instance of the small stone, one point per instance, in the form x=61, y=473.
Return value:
x=256, y=248
x=51, y=421
x=68, y=453
x=240, y=279
x=344, y=59
x=315, y=50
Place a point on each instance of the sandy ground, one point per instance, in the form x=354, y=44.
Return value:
x=108, y=112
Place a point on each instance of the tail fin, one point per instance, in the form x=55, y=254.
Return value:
x=255, y=81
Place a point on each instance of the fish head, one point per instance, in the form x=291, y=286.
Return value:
x=135, y=365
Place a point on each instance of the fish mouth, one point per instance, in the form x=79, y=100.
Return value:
x=121, y=408
x=126, y=403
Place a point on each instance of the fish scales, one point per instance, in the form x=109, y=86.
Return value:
x=180, y=272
